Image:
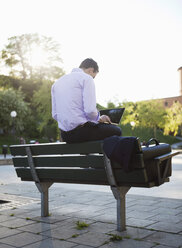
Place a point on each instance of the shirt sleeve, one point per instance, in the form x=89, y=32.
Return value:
x=89, y=100
x=54, y=114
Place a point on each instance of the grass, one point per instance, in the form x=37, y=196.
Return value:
x=75, y=235
x=127, y=237
x=115, y=237
x=81, y=225
x=138, y=239
x=7, y=140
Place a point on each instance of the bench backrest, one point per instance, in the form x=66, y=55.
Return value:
x=76, y=163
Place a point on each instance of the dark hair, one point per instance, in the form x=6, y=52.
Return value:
x=89, y=63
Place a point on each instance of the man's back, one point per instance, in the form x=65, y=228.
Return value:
x=73, y=100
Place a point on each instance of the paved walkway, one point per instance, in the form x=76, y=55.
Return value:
x=151, y=221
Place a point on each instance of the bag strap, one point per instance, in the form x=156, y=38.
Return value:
x=151, y=140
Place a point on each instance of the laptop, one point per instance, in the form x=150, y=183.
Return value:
x=115, y=114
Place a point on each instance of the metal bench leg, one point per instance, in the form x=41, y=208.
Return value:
x=42, y=187
x=120, y=193
x=44, y=190
x=45, y=203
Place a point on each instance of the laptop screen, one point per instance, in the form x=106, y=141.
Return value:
x=114, y=114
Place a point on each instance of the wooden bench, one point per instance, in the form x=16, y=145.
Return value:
x=86, y=163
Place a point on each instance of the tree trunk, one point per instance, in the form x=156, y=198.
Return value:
x=155, y=132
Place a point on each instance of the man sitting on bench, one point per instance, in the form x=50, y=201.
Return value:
x=74, y=106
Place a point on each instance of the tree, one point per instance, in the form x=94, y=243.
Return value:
x=27, y=86
x=42, y=103
x=11, y=100
x=9, y=82
x=173, y=119
x=151, y=114
x=110, y=105
x=130, y=113
x=100, y=107
x=32, y=56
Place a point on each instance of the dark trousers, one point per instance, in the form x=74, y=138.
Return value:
x=90, y=131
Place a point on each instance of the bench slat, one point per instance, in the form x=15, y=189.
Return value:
x=88, y=176
x=58, y=148
x=94, y=161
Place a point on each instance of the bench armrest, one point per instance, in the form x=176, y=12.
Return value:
x=166, y=156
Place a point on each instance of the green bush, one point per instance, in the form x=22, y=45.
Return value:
x=145, y=134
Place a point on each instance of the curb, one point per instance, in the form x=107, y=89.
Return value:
x=6, y=162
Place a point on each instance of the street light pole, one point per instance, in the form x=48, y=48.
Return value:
x=13, y=114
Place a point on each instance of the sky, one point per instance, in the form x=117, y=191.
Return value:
x=136, y=43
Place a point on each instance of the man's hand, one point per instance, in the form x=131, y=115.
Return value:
x=104, y=118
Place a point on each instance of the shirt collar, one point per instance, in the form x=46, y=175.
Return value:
x=77, y=70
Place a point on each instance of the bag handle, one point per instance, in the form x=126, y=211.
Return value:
x=151, y=140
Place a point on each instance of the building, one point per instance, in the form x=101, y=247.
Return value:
x=168, y=102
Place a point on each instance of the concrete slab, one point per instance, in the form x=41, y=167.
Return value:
x=140, y=214
x=64, y=232
x=52, y=243
x=134, y=233
x=135, y=222
x=51, y=219
x=172, y=219
x=5, y=246
x=22, y=239
x=168, y=239
x=163, y=246
x=38, y=227
x=128, y=244
x=94, y=239
x=7, y=232
x=16, y=222
x=166, y=227
x=102, y=227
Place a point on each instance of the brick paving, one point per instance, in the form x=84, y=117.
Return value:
x=151, y=221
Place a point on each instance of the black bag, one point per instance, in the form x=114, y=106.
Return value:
x=124, y=151
x=158, y=149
